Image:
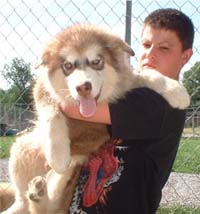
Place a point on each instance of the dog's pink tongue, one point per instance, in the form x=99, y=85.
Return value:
x=87, y=107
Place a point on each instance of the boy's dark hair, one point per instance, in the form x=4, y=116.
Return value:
x=175, y=20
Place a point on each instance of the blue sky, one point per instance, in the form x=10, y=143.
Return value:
x=25, y=25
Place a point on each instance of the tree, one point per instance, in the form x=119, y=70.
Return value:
x=2, y=95
x=191, y=81
x=18, y=75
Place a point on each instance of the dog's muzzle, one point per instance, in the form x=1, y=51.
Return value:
x=87, y=103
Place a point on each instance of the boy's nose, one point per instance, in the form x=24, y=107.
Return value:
x=151, y=54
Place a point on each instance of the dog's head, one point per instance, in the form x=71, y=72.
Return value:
x=84, y=62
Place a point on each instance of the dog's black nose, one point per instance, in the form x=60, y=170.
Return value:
x=84, y=89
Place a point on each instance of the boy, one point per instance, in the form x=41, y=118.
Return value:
x=149, y=129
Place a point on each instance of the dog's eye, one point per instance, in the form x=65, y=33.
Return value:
x=98, y=63
x=67, y=67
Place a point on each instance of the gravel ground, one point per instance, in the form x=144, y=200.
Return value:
x=181, y=189
x=4, y=170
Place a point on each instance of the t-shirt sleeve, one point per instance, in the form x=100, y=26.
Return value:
x=138, y=115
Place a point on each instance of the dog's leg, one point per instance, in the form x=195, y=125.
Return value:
x=175, y=93
x=26, y=161
x=53, y=194
x=6, y=195
x=61, y=186
x=55, y=137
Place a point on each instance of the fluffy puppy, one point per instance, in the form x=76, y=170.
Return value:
x=83, y=65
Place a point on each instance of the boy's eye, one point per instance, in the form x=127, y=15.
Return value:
x=164, y=48
x=146, y=45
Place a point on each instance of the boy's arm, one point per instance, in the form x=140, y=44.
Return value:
x=102, y=114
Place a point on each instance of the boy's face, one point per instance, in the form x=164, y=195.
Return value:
x=162, y=50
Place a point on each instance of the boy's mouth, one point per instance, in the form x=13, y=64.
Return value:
x=148, y=65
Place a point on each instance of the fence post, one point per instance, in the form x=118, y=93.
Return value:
x=128, y=21
x=193, y=126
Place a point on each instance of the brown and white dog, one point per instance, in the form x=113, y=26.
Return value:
x=83, y=65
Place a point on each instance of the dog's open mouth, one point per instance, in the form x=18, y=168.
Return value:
x=87, y=106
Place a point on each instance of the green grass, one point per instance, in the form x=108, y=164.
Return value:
x=187, y=160
x=5, y=144
x=178, y=210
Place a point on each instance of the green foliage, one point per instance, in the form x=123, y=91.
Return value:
x=191, y=81
x=5, y=145
x=18, y=75
x=2, y=94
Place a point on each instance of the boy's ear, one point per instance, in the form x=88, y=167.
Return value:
x=187, y=55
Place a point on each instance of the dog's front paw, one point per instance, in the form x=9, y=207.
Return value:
x=37, y=189
x=176, y=95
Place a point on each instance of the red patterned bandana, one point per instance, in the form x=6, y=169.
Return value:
x=101, y=167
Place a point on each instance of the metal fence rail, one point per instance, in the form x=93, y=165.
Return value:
x=25, y=25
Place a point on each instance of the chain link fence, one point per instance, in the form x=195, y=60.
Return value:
x=25, y=25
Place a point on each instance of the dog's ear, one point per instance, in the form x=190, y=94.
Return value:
x=45, y=60
x=47, y=56
x=127, y=48
x=42, y=59
x=121, y=45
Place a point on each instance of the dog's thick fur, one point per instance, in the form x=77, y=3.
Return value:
x=81, y=63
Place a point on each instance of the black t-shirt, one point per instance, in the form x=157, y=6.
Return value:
x=150, y=130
